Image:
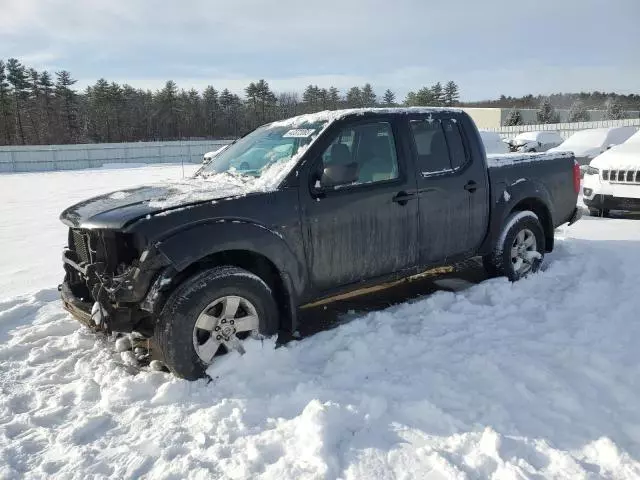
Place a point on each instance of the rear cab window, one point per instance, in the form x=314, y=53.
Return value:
x=439, y=145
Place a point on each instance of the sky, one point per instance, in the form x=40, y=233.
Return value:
x=489, y=48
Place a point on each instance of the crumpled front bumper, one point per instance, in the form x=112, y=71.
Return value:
x=114, y=318
x=75, y=306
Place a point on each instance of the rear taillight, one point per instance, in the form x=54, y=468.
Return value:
x=576, y=177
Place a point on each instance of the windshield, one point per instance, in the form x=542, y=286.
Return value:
x=266, y=146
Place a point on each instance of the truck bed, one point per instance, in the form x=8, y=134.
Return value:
x=551, y=174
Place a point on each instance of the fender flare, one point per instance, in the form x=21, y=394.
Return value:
x=223, y=235
x=527, y=192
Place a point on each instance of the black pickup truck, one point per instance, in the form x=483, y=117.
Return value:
x=300, y=211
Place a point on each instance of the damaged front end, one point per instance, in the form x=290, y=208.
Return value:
x=107, y=277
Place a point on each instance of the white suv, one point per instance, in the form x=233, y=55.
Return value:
x=612, y=180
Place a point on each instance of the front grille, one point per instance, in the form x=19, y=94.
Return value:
x=621, y=176
x=79, y=243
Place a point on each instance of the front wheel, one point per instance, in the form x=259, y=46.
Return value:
x=520, y=247
x=210, y=314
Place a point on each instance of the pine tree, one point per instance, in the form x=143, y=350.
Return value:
x=613, y=110
x=422, y=98
x=34, y=110
x=167, y=111
x=513, y=118
x=68, y=99
x=17, y=78
x=323, y=98
x=5, y=107
x=230, y=105
x=46, y=91
x=578, y=112
x=546, y=113
x=310, y=97
x=354, y=97
x=210, y=104
x=438, y=94
x=451, y=93
x=368, y=96
x=389, y=98
x=334, y=98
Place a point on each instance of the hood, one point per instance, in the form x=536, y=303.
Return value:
x=579, y=151
x=117, y=209
x=620, y=157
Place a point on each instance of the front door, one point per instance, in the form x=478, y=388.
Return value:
x=361, y=214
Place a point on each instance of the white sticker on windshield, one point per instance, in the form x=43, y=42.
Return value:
x=299, y=133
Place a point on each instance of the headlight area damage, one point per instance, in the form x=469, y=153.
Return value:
x=107, y=278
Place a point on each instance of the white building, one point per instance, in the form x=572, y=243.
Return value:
x=497, y=117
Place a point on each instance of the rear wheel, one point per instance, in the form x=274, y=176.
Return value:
x=211, y=314
x=520, y=247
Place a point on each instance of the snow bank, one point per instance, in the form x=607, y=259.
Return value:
x=536, y=379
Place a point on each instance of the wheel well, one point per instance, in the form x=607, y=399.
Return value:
x=253, y=262
x=540, y=209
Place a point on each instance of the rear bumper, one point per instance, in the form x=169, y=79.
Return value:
x=609, y=202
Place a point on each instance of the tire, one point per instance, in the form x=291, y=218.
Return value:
x=501, y=262
x=596, y=212
x=176, y=333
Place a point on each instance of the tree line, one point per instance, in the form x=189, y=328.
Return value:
x=39, y=107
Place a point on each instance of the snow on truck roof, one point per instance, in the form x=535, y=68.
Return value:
x=333, y=115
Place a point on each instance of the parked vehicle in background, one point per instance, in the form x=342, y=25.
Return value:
x=207, y=157
x=493, y=143
x=588, y=144
x=612, y=179
x=338, y=201
x=540, y=141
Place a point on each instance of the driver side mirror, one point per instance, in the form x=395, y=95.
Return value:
x=330, y=176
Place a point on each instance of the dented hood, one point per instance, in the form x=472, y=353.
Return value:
x=117, y=209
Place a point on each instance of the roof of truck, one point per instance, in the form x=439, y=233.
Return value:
x=332, y=115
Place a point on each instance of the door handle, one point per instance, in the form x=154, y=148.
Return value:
x=401, y=198
x=471, y=186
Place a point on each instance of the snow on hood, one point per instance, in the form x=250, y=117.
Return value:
x=577, y=150
x=625, y=156
x=505, y=160
x=116, y=209
x=592, y=142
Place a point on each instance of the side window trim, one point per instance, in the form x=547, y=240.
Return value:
x=447, y=171
x=463, y=142
x=353, y=125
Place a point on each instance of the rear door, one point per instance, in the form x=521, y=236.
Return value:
x=452, y=187
x=364, y=227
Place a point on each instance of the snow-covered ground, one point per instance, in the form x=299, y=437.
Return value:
x=537, y=379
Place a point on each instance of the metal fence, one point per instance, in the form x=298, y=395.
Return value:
x=564, y=129
x=39, y=158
